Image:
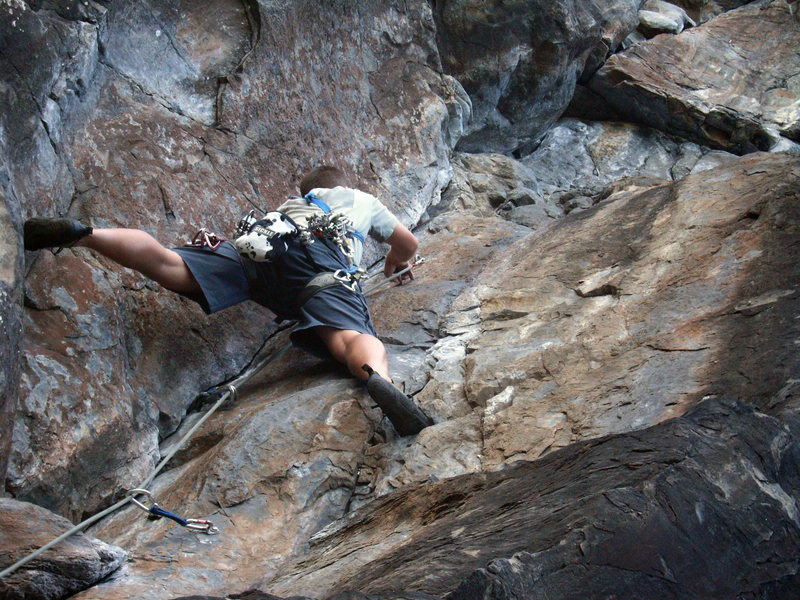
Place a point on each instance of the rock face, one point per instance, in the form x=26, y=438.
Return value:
x=519, y=61
x=604, y=329
x=701, y=85
x=76, y=564
x=717, y=235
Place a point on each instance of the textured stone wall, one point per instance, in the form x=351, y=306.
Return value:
x=604, y=330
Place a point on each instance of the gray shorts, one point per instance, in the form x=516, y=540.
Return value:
x=224, y=282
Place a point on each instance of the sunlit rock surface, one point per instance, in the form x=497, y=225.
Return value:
x=701, y=84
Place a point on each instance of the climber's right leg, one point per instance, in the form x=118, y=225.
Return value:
x=138, y=250
x=130, y=248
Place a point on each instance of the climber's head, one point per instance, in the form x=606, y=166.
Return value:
x=322, y=177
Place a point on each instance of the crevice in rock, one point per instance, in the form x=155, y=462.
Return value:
x=168, y=212
x=251, y=11
x=607, y=289
x=172, y=108
x=667, y=349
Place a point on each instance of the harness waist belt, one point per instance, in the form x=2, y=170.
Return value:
x=320, y=282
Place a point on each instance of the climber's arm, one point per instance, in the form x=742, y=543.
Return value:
x=404, y=246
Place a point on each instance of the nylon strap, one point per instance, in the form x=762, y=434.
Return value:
x=320, y=282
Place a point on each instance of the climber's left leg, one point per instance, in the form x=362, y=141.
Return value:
x=356, y=349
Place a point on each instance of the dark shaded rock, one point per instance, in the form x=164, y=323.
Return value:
x=519, y=61
x=248, y=595
x=590, y=106
x=700, y=85
x=68, y=567
x=577, y=158
x=703, y=10
x=697, y=507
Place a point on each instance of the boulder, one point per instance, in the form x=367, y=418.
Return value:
x=701, y=85
x=68, y=567
x=657, y=16
x=520, y=61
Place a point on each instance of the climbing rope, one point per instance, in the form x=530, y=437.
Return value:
x=231, y=393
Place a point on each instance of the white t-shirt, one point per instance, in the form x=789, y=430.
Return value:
x=369, y=216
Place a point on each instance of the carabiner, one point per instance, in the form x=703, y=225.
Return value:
x=202, y=526
x=348, y=280
x=198, y=525
x=136, y=492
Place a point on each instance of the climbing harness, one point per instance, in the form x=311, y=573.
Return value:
x=200, y=525
x=326, y=280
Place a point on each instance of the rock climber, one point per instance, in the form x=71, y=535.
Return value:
x=299, y=261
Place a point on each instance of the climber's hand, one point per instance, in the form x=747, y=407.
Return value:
x=407, y=276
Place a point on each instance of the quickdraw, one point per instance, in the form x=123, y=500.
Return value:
x=199, y=525
x=207, y=239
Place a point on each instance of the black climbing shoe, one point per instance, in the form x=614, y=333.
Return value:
x=404, y=414
x=53, y=233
